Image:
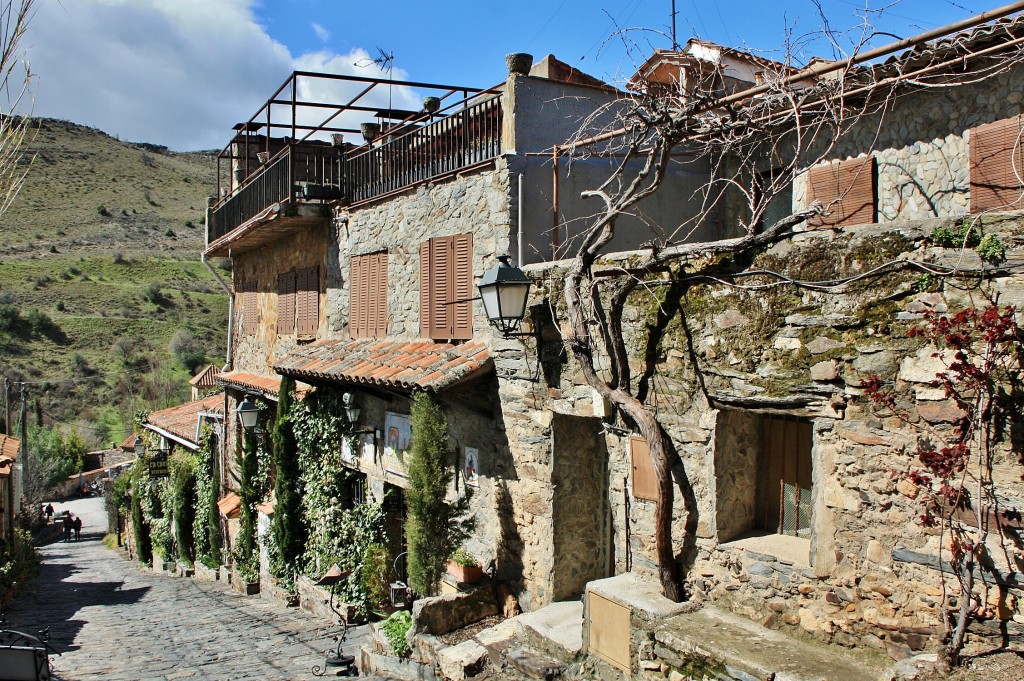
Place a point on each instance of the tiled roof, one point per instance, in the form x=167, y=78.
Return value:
x=129, y=443
x=264, y=386
x=8, y=453
x=393, y=363
x=267, y=507
x=230, y=506
x=207, y=378
x=183, y=420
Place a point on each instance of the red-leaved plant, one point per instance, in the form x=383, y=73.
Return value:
x=957, y=493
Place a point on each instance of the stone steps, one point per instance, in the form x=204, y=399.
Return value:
x=531, y=663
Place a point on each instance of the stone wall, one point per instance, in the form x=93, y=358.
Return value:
x=860, y=578
x=921, y=148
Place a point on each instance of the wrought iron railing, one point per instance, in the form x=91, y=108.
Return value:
x=419, y=153
x=411, y=153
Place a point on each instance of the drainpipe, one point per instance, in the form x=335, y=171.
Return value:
x=231, y=307
x=519, y=261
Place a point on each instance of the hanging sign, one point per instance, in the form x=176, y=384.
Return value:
x=158, y=465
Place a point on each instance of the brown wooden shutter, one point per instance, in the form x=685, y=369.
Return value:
x=425, y=289
x=440, y=287
x=996, y=165
x=250, y=308
x=461, y=313
x=357, y=297
x=847, y=189
x=286, y=303
x=378, y=285
x=645, y=483
x=308, y=301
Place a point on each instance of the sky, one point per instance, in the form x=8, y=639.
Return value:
x=182, y=72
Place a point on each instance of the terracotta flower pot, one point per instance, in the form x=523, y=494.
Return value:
x=465, y=574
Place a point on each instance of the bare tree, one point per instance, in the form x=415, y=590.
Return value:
x=15, y=78
x=749, y=143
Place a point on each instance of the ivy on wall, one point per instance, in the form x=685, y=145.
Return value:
x=206, y=525
x=288, y=531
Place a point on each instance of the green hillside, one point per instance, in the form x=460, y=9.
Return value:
x=100, y=272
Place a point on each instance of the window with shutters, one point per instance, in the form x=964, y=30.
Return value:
x=250, y=308
x=286, y=303
x=307, y=301
x=446, y=287
x=846, y=189
x=368, y=296
x=645, y=484
x=997, y=165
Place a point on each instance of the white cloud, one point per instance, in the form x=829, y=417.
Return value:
x=321, y=33
x=173, y=72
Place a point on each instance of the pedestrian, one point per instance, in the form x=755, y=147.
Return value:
x=49, y=513
x=68, y=526
x=78, y=527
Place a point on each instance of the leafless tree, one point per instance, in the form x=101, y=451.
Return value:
x=15, y=78
x=750, y=142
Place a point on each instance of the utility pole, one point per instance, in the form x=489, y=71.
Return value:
x=675, y=45
x=24, y=436
x=7, y=406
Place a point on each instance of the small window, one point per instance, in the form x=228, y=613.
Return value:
x=779, y=204
x=997, y=165
x=645, y=482
x=368, y=296
x=846, y=189
x=446, y=288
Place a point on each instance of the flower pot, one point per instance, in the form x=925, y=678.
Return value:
x=369, y=131
x=431, y=104
x=519, y=63
x=465, y=574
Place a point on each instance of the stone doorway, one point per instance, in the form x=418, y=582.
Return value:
x=579, y=476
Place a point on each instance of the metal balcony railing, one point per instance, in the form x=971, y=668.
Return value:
x=281, y=155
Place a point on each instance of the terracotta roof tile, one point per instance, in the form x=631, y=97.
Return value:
x=230, y=505
x=393, y=363
x=183, y=420
x=257, y=384
x=205, y=378
x=9, y=446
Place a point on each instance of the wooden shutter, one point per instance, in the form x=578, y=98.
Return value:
x=378, y=287
x=785, y=480
x=308, y=301
x=425, y=289
x=286, y=303
x=250, y=308
x=440, y=287
x=847, y=189
x=357, y=297
x=645, y=483
x=461, y=313
x=996, y=165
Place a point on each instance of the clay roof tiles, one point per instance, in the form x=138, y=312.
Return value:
x=257, y=384
x=401, y=364
x=8, y=453
x=183, y=420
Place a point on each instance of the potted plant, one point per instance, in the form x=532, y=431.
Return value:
x=519, y=63
x=431, y=104
x=464, y=568
x=369, y=131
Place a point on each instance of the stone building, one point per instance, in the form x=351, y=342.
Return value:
x=358, y=272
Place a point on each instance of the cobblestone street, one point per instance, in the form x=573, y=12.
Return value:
x=111, y=621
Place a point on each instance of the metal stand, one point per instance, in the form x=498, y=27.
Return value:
x=337, y=662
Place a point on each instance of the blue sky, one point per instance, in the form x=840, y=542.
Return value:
x=181, y=72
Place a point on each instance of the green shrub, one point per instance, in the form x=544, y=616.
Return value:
x=18, y=564
x=434, y=528
x=288, y=526
x=959, y=236
x=102, y=210
x=991, y=248
x=376, y=574
x=395, y=628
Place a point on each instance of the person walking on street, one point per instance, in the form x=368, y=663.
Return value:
x=49, y=513
x=78, y=527
x=68, y=526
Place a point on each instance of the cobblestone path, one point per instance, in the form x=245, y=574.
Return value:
x=111, y=621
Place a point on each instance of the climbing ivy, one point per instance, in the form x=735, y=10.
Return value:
x=245, y=555
x=206, y=526
x=183, y=467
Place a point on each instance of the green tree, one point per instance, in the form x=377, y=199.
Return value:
x=248, y=466
x=183, y=483
x=435, y=527
x=288, y=528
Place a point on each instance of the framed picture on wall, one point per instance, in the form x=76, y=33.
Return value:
x=397, y=439
x=471, y=467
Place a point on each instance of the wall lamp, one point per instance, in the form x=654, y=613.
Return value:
x=140, y=446
x=249, y=416
x=504, y=291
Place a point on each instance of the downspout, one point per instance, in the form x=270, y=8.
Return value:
x=519, y=214
x=231, y=307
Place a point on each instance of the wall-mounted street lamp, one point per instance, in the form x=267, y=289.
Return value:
x=248, y=413
x=504, y=291
x=352, y=410
x=140, y=446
